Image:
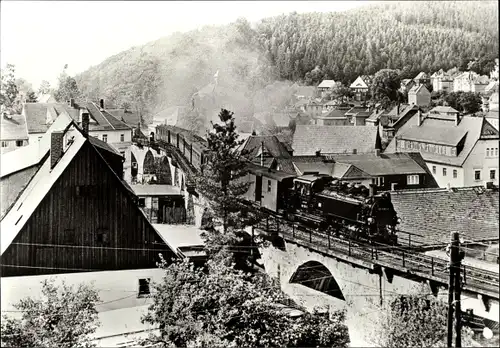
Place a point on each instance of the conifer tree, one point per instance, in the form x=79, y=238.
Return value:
x=223, y=182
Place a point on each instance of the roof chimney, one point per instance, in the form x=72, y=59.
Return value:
x=419, y=118
x=377, y=152
x=85, y=123
x=457, y=119
x=101, y=104
x=354, y=151
x=56, y=147
x=71, y=102
x=318, y=152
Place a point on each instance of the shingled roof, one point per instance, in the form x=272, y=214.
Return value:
x=473, y=211
x=13, y=127
x=334, y=139
x=272, y=145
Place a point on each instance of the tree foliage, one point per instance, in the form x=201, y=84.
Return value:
x=67, y=88
x=223, y=307
x=62, y=317
x=9, y=90
x=44, y=87
x=223, y=183
x=415, y=321
x=465, y=102
x=385, y=85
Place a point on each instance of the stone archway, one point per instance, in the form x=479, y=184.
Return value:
x=149, y=163
x=164, y=174
x=317, y=276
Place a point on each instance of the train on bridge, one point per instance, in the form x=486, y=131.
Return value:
x=315, y=200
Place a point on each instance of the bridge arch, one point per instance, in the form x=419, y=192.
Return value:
x=149, y=163
x=315, y=275
x=164, y=173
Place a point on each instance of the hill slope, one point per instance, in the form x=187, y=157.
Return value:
x=411, y=36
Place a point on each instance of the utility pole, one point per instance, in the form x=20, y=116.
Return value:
x=451, y=284
x=454, y=288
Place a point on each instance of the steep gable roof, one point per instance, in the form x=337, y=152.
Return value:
x=13, y=127
x=419, y=89
x=130, y=118
x=473, y=211
x=359, y=83
x=421, y=75
x=443, y=110
x=271, y=144
x=334, y=139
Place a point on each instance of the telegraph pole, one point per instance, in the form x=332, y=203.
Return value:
x=451, y=284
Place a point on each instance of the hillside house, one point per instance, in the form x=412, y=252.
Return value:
x=444, y=111
x=361, y=88
x=470, y=81
x=441, y=82
x=75, y=212
x=313, y=139
x=269, y=152
x=102, y=125
x=422, y=78
x=309, y=107
x=406, y=85
x=335, y=117
x=385, y=171
x=389, y=122
x=358, y=115
x=326, y=86
x=459, y=151
x=419, y=95
x=14, y=132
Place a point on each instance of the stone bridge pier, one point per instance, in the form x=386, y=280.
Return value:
x=313, y=279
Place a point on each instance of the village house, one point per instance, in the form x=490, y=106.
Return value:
x=385, y=171
x=14, y=132
x=422, y=78
x=103, y=125
x=444, y=110
x=335, y=117
x=358, y=115
x=313, y=139
x=470, y=81
x=441, y=81
x=326, y=86
x=419, y=95
x=406, y=85
x=75, y=212
x=162, y=204
x=269, y=152
x=460, y=151
x=361, y=87
x=309, y=107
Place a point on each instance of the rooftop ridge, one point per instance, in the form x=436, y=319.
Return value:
x=440, y=189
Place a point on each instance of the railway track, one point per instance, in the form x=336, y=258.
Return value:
x=474, y=279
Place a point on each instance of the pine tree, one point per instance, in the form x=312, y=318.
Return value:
x=223, y=183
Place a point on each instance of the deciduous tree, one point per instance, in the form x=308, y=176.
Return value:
x=62, y=317
x=386, y=83
x=9, y=90
x=67, y=89
x=44, y=87
x=223, y=307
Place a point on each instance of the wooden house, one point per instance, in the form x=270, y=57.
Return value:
x=76, y=213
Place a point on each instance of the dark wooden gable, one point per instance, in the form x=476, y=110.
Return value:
x=88, y=221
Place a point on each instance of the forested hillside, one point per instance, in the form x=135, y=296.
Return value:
x=411, y=36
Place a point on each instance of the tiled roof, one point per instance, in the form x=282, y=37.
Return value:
x=335, y=113
x=103, y=145
x=418, y=89
x=326, y=84
x=443, y=109
x=13, y=127
x=474, y=212
x=105, y=121
x=442, y=131
x=130, y=118
x=271, y=143
x=334, y=139
x=385, y=164
x=421, y=76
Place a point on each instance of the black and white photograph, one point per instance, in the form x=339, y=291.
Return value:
x=249, y=174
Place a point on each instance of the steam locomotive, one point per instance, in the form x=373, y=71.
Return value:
x=326, y=203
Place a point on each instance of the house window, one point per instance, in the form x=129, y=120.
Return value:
x=19, y=143
x=477, y=175
x=433, y=169
x=455, y=173
x=122, y=137
x=444, y=171
x=5, y=144
x=412, y=180
x=268, y=185
x=102, y=238
x=105, y=138
x=142, y=202
x=492, y=174
x=488, y=152
x=143, y=290
x=379, y=181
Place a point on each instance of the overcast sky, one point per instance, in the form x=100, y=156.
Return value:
x=39, y=37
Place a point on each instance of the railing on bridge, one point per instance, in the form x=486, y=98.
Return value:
x=394, y=257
